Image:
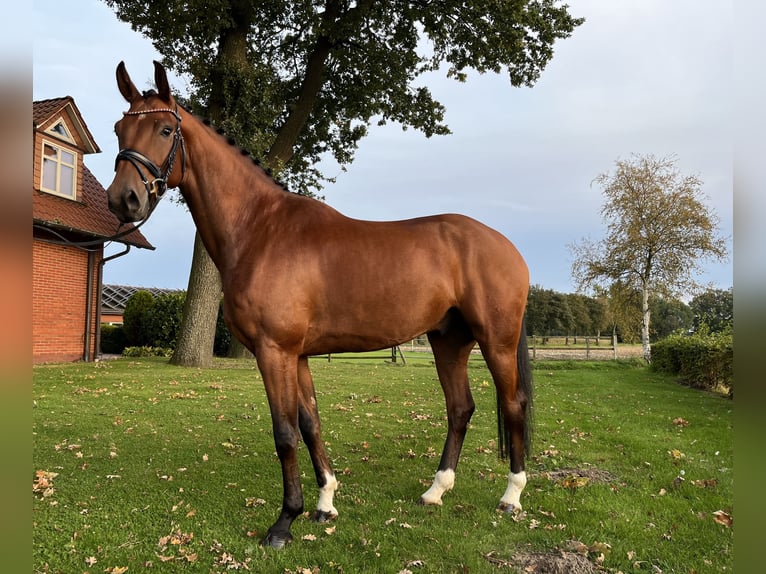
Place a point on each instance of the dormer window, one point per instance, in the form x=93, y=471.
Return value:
x=59, y=170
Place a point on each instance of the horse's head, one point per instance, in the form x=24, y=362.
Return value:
x=149, y=136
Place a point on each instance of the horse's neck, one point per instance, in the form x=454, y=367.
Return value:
x=224, y=195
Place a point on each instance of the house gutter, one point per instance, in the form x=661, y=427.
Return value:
x=86, y=355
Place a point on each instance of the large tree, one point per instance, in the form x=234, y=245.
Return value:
x=713, y=310
x=659, y=230
x=295, y=81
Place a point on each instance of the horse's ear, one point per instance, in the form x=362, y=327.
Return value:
x=125, y=84
x=161, y=81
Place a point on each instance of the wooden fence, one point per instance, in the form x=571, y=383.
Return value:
x=578, y=343
x=545, y=347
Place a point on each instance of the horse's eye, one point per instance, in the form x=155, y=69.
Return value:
x=166, y=131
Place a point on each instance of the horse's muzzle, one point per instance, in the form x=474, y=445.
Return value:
x=126, y=205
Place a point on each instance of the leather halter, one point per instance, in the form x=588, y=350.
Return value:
x=159, y=185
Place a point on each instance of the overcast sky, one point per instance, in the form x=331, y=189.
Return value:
x=639, y=76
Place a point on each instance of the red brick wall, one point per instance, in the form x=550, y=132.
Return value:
x=59, y=283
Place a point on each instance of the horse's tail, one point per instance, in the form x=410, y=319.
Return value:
x=524, y=389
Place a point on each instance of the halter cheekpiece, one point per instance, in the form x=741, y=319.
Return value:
x=159, y=185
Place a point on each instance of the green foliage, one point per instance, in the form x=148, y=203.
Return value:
x=669, y=315
x=222, y=335
x=146, y=351
x=552, y=313
x=170, y=469
x=156, y=322
x=113, y=339
x=703, y=360
x=164, y=321
x=714, y=310
x=296, y=81
x=135, y=318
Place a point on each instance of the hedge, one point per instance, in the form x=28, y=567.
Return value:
x=113, y=339
x=702, y=360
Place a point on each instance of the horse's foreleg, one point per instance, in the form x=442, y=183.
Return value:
x=280, y=377
x=451, y=352
x=308, y=420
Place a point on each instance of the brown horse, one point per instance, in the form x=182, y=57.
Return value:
x=300, y=279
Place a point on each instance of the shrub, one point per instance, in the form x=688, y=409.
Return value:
x=113, y=339
x=134, y=318
x=222, y=335
x=702, y=360
x=163, y=322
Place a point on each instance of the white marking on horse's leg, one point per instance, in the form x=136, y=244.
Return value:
x=326, y=494
x=511, y=500
x=443, y=481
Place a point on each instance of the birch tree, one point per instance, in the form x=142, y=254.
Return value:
x=659, y=230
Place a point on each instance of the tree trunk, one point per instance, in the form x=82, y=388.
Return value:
x=645, y=317
x=197, y=336
x=237, y=350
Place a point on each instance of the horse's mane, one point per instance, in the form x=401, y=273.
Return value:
x=231, y=141
x=244, y=152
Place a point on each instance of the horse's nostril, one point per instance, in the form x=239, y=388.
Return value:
x=131, y=200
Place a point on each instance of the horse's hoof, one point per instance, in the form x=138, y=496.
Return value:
x=323, y=516
x=423, y=502
x=507, y=508
x=276, y=540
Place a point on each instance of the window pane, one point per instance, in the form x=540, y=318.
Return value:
x=49, y=174
x=67, y=157
x=67, y=180
x=50, y=151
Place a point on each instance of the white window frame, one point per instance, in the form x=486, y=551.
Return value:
x=61, y=166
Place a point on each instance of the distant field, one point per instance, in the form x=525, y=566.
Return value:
x=143, y=466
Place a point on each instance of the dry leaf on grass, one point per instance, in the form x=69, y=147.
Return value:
x=43, y=483
x=724, y=518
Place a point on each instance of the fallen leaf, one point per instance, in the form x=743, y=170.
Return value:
x=575, y=482
x=91, y=560
x=680, y=422
x=724, y=518
x=330, y=530
x=43, y=483
x=309, y=537
x=676, y=454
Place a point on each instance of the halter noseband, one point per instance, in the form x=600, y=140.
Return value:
x=159, y=185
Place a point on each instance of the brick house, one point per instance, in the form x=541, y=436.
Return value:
x=69, y=205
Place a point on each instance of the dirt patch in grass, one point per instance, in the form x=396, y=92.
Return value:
x=591, y=474
x=559, y=562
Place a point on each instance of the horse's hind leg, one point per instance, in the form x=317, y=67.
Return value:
x=513, y=393
x=451, y=351
x=308, y=421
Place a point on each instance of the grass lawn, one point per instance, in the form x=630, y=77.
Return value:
x=142, y=466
